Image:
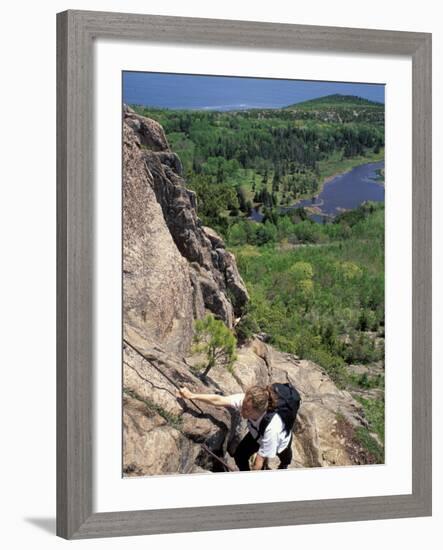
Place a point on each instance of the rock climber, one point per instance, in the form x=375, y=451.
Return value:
x=270, y=412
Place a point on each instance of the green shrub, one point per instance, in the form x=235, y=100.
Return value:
x=333, y=364
x=213, y=338
x=362, y=349
x=375, y=414
x=363, y=436
x=171, y=418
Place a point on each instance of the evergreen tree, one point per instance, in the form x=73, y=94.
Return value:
x=214, y=339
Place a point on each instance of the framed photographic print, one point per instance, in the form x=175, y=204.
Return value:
x=244, y=274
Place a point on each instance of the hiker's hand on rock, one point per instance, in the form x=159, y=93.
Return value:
x=185, y=393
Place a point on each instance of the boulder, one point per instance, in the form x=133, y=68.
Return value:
x=150, y=133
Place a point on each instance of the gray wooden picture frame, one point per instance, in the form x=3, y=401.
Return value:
x=76, y=32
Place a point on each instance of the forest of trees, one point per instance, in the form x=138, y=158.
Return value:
x=317, y=290
x=236, y=161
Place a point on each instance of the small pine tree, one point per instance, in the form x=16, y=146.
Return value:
x=213, y=338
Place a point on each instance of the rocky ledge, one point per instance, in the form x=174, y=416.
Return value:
x=164, y=434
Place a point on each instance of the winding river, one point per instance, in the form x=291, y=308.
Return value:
x=343, y=192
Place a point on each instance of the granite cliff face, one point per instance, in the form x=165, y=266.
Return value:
x=173, y=268
x=174, y=271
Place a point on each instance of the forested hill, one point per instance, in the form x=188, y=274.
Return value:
x=338, y=100
x=340, y=108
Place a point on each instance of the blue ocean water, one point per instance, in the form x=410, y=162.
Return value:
x=222, y=93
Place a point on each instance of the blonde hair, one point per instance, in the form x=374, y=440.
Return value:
x=261, y=398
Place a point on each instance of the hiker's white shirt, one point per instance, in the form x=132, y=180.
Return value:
x=274, y=440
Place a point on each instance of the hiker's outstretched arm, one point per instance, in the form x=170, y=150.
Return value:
x=210, y=398
x=258, y=462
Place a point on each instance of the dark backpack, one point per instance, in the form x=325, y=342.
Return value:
x=287, y=408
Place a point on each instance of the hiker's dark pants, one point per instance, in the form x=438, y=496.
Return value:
x=248, y=446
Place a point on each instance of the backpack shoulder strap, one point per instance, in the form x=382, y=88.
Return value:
x=265, y=423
